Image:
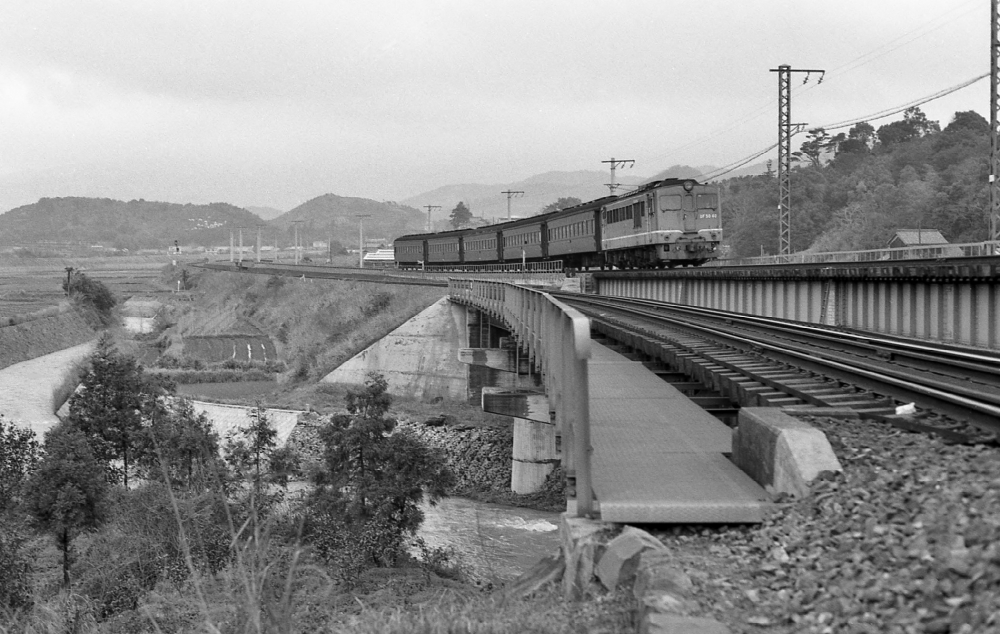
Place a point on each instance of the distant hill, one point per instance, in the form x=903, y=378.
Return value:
x=266, y=213
x=117, y=224
x=487, y=201
x=337, y=216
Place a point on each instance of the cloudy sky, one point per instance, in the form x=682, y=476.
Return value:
x=274, y=102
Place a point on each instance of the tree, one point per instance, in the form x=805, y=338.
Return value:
x=18, y=458
x=66, y=495
x=913, y=126
x=813, y=148
x=180, y=446
x=254, y=449
x=113, y=399
x=460, y=216
x=375, y=476
x=969, y=120
x=562, y=203
x=92, y=294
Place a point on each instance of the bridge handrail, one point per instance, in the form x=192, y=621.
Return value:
x=916, y=252
x=558, y=339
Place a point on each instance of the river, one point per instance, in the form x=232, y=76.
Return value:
x=491, y=542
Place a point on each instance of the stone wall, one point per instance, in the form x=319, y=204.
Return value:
x=42, y=336
x=478, y=456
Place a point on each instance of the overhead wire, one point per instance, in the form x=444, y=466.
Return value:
x=851, y=122
x=935, y=23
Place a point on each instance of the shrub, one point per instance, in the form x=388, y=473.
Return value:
x=92, y=294
x=15, y=569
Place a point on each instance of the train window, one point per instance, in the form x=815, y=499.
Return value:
x=708, y=201
x=670, y=202
x=642, y=208
x=687, y=203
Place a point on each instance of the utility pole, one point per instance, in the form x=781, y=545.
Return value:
x=69, y=276
x=232, y=246
x=511, y=194
x=994, y=123
x=361, y=238
x=785, y=150
x=258, y=242
x=428, y=208
x=615, y=164
x=296, y=223
x=241, y=245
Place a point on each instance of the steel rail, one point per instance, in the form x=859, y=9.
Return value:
x=970, y=405
x=983, y=361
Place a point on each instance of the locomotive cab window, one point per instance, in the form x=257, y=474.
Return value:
x=708, y=201
x=670, y=202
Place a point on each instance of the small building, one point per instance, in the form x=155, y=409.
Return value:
x=915, y=238
x=382, y=257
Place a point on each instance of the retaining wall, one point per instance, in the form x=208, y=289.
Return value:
x=419, y=359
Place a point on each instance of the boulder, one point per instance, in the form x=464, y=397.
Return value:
x=621, y=559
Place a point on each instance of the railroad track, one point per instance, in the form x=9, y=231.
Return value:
x=326, y=272
x=761, y=361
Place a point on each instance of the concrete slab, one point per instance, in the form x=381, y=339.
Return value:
x=658, y=457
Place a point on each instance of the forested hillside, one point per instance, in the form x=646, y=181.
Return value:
x=854, y=190
x=121, y=225
x=338, y=216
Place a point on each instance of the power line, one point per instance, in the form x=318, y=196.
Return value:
x=843, y=124
x=936, y=23
x=511, y=194
x=428, y=208
x=616, y=163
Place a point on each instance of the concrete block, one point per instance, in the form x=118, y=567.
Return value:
x=524, y=404
x=504, y=359
x=781, y=453
x=621, y=559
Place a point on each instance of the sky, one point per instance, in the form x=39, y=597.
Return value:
x=272, y=103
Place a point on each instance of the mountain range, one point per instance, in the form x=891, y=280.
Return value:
x=148, y=224
x=490, y=202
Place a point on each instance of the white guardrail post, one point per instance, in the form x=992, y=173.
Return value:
x=558, y=340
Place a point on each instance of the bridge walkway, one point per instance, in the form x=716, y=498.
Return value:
x=658, y=457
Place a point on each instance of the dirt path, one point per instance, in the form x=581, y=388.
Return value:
x=26, y=388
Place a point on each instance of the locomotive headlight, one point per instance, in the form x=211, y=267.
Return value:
x=688, y=185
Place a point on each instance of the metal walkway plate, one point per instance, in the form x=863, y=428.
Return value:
x=657, y=456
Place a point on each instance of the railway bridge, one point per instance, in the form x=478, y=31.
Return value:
x=632, y=450
x=635, y=448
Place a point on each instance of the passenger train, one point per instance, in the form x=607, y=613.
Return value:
x=664, y=223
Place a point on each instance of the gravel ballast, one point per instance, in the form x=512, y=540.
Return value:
x=905, y=540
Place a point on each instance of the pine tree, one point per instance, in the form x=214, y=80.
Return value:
x=66, y=495
x=114, y=399
x=375, y=476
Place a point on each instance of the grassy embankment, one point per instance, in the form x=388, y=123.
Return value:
x=315, y=324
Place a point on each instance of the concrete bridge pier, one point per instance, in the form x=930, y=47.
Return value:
x=502, y=378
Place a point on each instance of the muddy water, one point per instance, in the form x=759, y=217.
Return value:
x=492, y=542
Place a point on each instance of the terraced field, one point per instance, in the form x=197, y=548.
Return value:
x=29, y=285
